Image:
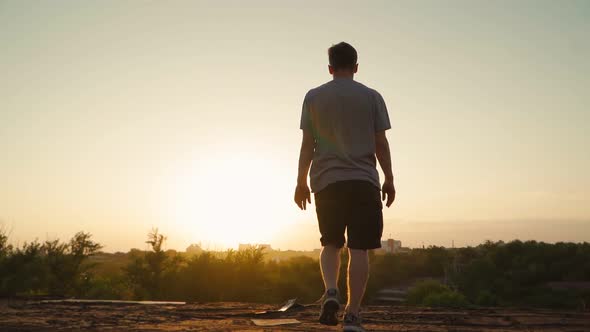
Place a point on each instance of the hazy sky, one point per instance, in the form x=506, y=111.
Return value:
x=119, y=116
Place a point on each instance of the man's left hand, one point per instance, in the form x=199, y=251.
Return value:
x=388, y=191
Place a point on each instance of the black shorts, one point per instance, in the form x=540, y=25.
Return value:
x=354, y=206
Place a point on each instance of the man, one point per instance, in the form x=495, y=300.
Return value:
x=344, y=124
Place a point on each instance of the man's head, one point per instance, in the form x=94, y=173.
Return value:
x=342, y=57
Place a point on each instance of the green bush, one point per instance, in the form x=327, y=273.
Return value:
x=53, y=267
x=448, y=299
x=423, y=289
x=432, y=293
x=108, y=288
x=494, y=273
x=549, y=298
x=486, y=298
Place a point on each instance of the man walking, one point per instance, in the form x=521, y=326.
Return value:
x=344, y=124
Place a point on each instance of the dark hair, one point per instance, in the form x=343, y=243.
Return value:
x=342, y=56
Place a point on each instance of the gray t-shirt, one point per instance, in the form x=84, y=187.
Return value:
x=343, y=116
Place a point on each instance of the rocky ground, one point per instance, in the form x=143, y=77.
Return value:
x=37, y=316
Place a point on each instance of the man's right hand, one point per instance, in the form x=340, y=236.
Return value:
x=388, y=191
x=302, y=195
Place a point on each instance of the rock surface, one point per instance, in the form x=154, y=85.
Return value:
x=36, y=316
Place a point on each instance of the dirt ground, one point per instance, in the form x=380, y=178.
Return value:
x=36, y=316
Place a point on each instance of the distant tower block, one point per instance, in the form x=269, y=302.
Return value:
x=391, y=246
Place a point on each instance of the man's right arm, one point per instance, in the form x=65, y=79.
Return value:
x=384, y=157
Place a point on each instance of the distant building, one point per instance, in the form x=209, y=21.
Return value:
x=248, y=246
x=194, y=249
x=264, y=247
x=245, y=246
x=391, y=246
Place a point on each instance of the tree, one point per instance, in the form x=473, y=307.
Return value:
x=147, y=270
x=68, y=275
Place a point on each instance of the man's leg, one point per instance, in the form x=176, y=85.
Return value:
x=330, y=266
x=358, y=274
x=332, y=223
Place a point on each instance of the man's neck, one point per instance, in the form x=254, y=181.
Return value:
x=348, y=76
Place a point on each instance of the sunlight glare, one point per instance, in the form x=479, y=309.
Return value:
x=240, y=199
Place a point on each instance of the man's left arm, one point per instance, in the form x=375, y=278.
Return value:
x=302, y=193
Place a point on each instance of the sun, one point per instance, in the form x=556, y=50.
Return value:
x=232, y=200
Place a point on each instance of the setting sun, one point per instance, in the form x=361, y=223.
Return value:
x=224, y=201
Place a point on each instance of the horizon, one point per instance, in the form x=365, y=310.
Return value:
x=426, y=233
x=116, y=118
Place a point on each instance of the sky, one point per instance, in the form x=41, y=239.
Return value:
x=120, y=116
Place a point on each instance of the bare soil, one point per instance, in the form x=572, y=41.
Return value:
x=36, y=316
